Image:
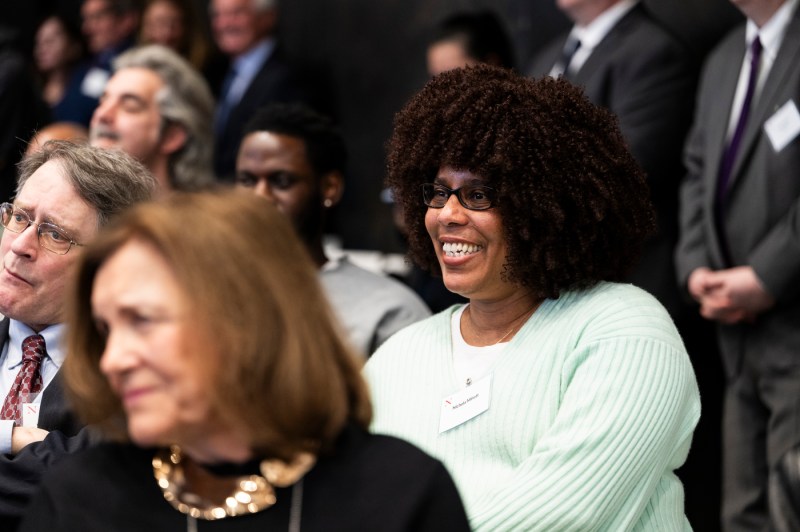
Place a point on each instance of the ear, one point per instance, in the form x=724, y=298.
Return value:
x=173, y=139
x=332, y=187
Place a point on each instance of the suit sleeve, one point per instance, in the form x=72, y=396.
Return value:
x=691, y=252
x=776, y=259
x=653, y=98
x=21, y=474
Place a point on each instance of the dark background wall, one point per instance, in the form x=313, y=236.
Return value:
x=369, y=58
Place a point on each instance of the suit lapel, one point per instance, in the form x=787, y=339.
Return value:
x=53, y=408
x=607, y=47
x=773, y=94
x=721, y=102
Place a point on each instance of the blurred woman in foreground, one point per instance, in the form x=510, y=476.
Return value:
x=198, y=332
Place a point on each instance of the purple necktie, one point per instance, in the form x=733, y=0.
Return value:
x=28, y=381
x=729, y=157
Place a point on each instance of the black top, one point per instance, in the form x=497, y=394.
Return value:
x=369, y=482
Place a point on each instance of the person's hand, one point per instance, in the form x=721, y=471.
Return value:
x=729, y=296
x=22, y=436
x=700, y=284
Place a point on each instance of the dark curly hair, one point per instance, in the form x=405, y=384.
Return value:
x=325, y=148
x=574, y=203
x=482, y=33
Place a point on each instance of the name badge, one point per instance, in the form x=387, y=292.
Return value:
x=30, y=414
x=783, y=126
x=465, y=404
x=94, y=82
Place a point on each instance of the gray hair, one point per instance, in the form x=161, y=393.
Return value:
x=108, y=180
x=186, y=101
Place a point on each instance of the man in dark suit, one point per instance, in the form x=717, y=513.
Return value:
x=65, y=193
x=258, y=73
x=739, y=252
x=630, y=64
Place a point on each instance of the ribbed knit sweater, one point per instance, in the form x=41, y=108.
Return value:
x=593, y=405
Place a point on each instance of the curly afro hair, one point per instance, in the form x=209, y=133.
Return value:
x=574, y=203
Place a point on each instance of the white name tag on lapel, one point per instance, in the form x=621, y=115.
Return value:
x=465, y=404
x=783, y=126
x=30, y=414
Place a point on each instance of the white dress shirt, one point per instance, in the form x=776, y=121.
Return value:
x=771, y=35
x=11, y=363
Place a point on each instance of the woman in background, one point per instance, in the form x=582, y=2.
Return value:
x=175, y=24
x=60, y=54
x=199, y=336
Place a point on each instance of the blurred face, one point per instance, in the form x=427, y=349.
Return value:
x=237, y=26
x=162, y=23
x=760, y=11
x=583, y=12
x=128, y=116
x=53, y=48
x=151, y=353
x=33, y=281
x=447, y=55
x=100, y=25
x=276, y=167
x=469, y=245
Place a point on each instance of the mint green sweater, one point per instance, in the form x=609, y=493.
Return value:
x=593, y=405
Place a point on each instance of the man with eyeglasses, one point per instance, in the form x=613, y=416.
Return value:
x=65, y=193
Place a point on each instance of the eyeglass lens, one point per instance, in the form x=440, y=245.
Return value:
x=50, y=237
x=475, y=197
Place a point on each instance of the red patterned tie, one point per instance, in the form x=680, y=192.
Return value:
x=28, y=381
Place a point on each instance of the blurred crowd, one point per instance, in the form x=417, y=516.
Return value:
x=615, y=153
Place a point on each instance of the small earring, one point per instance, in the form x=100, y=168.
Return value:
x=328, y=203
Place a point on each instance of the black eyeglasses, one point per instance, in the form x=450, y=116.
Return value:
x=473, y=197
x=51, y=237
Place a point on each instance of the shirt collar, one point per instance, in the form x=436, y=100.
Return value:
x=594, y=32
x=53, y=340
x=249, y=62
x=771, y=34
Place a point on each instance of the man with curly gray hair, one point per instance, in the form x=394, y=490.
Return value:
x=158, y=108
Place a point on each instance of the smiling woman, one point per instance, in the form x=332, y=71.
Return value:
x=199, y=336
x=558, y=398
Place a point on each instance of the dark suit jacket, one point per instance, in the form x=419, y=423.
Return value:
x=275, y=82
x=645, y=76
x=762, y=205
x=20, y=474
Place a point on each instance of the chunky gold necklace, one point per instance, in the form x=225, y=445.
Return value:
x=253, y=493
